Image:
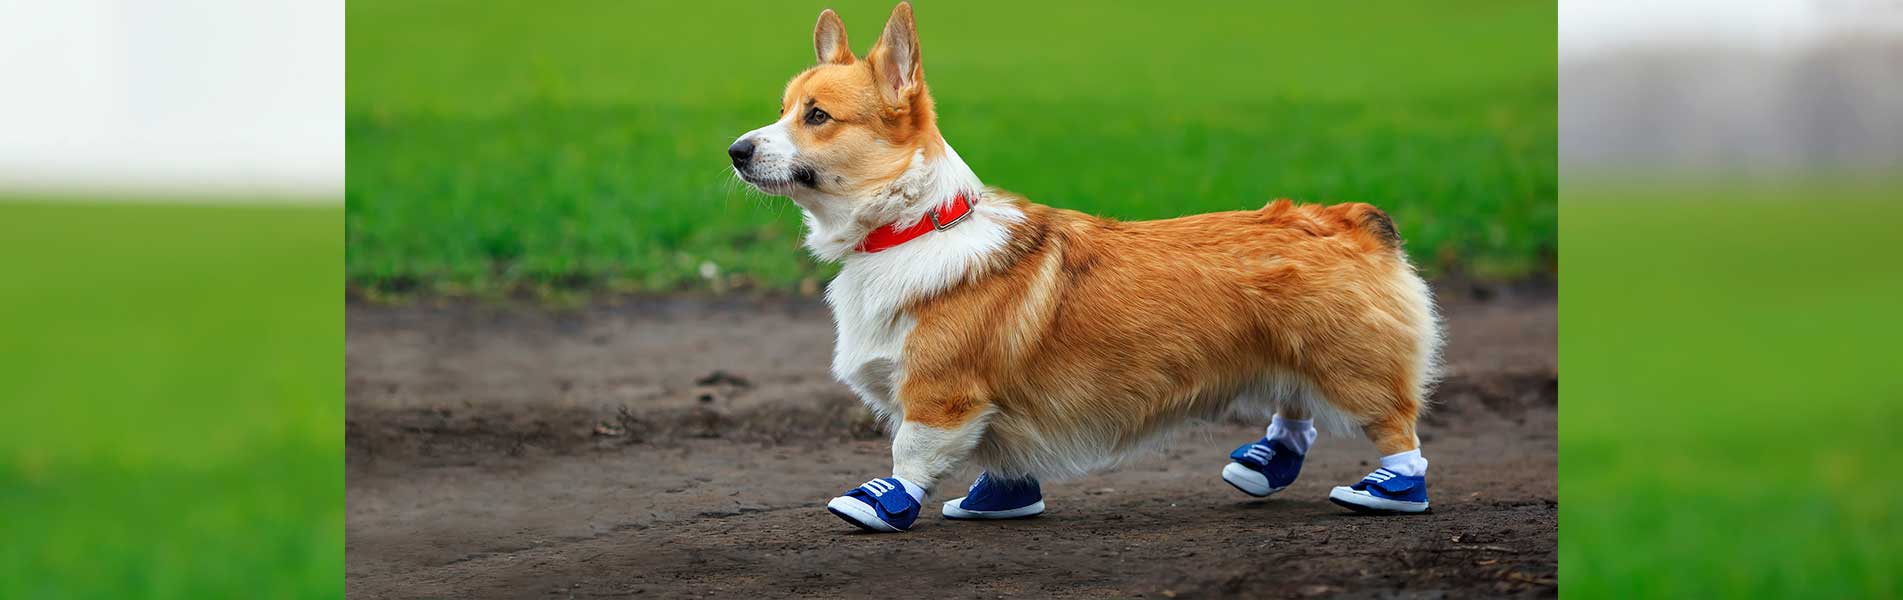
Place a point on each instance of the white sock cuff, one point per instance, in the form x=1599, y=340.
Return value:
x=1409, y=463
x=916, y=491
x=1293, y=424
x=1298, y=434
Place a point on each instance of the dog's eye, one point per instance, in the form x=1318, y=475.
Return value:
x=816, y=116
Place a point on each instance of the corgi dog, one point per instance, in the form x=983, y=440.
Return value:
x=1037, y=342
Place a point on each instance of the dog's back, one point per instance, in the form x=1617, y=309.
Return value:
x=1093, y=335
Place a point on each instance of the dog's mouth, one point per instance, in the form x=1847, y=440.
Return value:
x=771, y=186
x=800, y=176
x=806, y=176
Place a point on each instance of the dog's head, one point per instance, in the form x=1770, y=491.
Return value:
x=847, y=126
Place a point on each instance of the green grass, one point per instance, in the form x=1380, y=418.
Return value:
x=173, y=383
x=1730, y=400
x=580, y=144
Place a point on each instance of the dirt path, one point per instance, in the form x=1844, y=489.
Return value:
x=676, y=447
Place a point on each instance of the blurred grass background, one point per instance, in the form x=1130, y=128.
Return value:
x=173, y=376
x=173, y=382
x=579, y=144
x=1731, y=391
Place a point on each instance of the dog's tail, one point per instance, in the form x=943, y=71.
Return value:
x=1358, y=217
x=1376, y=223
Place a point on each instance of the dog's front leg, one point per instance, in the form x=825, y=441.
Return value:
x=924, y=453
x=934, y=439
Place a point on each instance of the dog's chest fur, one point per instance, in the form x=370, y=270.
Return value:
x=871, y=293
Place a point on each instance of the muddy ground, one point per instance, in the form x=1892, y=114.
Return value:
x=674, y=447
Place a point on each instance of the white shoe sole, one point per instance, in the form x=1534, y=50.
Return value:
x=953, y=511
x=1360, y=501
x=1249, y=481
x=859, y=513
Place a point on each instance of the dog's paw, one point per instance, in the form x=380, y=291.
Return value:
x=882, y=505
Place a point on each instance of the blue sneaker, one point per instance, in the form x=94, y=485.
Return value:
x=1262, y=468
x=1383, y=492
x=994, y=498
x=879, y=505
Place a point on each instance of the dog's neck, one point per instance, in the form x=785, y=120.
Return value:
x=882, y=282
x=836, y=224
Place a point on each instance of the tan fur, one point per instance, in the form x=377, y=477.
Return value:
x=1089, y=332
x=1145, y=323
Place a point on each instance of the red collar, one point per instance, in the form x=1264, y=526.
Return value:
x=939, y=219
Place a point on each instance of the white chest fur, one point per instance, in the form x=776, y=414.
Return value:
x=870, y=294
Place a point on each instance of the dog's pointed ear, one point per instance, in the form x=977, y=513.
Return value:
x=895, y=59
x=829, y=40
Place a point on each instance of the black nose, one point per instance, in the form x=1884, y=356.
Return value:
x=741, y=151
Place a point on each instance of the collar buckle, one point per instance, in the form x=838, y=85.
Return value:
x=970, y=207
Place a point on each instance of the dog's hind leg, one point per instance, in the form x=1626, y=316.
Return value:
x=1294, y=425
x=1388, y=409
x=1271, y=464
